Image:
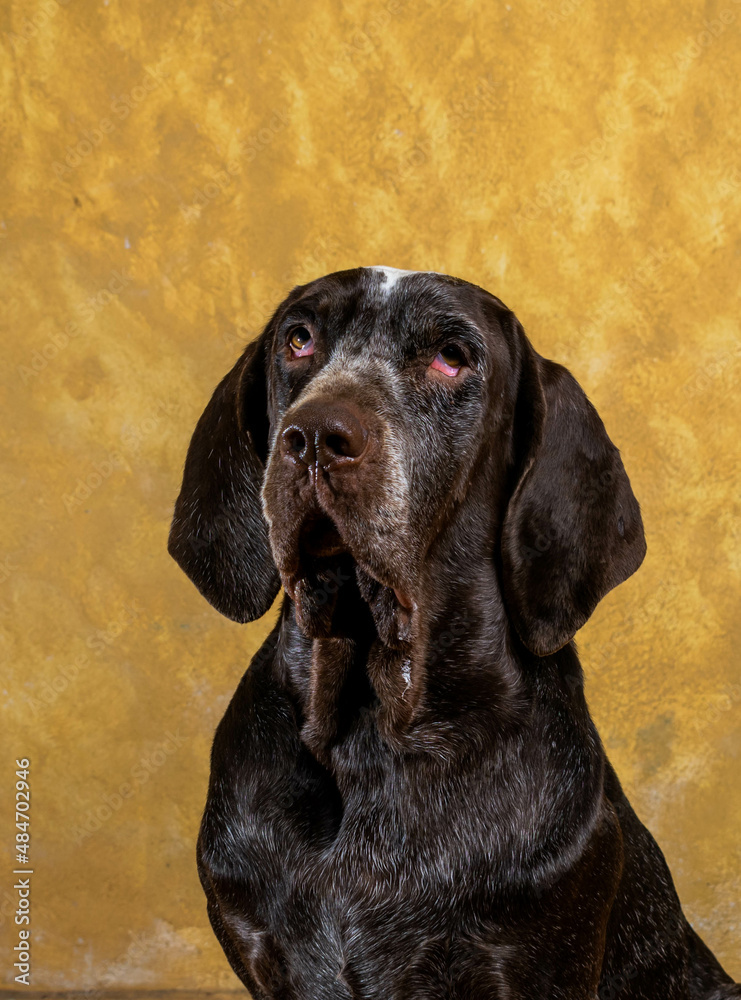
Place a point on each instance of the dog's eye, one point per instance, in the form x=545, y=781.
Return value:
x=449, y=361
x=302, y=342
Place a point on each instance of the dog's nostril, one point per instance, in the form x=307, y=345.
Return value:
x=343, y=438
x=295, y=441
x=338, y=444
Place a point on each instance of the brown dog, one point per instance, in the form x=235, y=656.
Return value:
x=408, y=797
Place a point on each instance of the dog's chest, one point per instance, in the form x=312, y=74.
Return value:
x=399, y=904
x=378, y=834
x=379, y=868
x=376, y=899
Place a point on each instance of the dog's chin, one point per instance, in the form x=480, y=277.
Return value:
x=336, y=594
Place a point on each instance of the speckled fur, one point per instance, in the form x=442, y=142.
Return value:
x=406, y=806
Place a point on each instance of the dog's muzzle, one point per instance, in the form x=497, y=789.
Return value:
x=335, y=502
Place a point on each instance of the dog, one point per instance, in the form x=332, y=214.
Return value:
x=408, y=797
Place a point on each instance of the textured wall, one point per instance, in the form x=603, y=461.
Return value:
x=171, y=170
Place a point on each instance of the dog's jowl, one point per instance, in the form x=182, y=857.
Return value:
x=408, y=797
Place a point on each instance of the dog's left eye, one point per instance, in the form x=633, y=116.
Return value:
x=449, y=361
x=302, y=342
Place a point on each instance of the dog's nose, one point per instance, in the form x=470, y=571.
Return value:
x=328, y=434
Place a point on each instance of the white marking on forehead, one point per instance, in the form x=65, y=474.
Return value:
x=393, y=274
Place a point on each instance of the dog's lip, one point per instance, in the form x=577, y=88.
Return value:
x=404, y=599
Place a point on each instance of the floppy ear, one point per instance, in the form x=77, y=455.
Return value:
x=219, y=536
x=572, y=529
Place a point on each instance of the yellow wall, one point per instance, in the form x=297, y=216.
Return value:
x=578, y=158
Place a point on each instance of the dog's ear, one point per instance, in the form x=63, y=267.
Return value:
x=219, y=536
x=572, y=529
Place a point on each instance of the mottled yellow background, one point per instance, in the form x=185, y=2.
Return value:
x=171, y=170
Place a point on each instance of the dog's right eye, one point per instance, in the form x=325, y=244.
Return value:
x=301, y=342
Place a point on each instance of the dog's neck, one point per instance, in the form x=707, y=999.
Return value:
x=459, y=676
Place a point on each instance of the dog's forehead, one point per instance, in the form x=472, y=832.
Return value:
x=384, y=291
x=391, y=276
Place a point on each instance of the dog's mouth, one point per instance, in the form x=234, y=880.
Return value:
x=334, y=590
x=320, y=538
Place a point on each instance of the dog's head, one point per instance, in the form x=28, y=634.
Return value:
x=390, y=429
